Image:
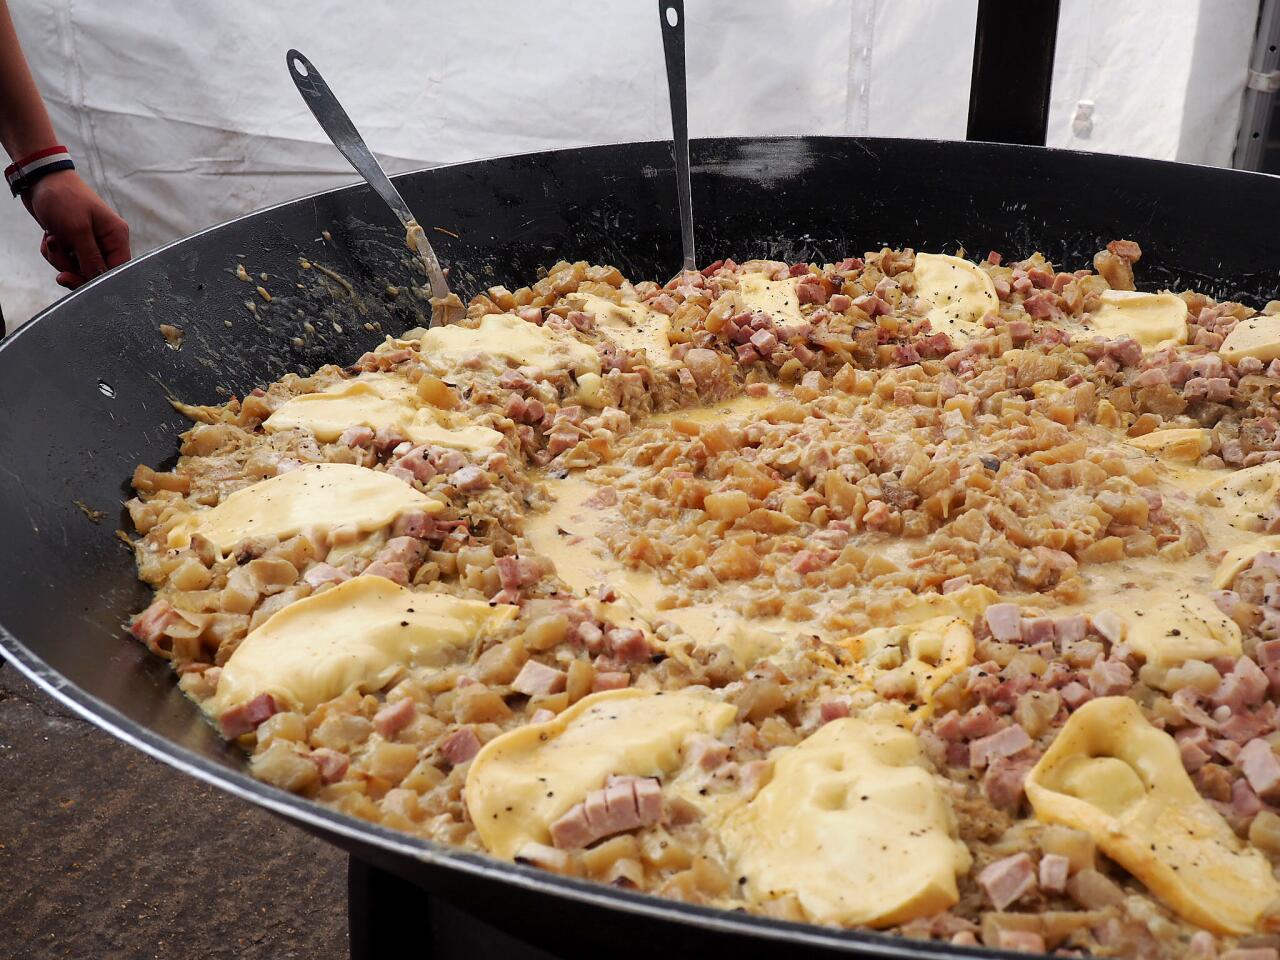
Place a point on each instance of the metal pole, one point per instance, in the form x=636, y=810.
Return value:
x=1012, y=71
x=1260, y=90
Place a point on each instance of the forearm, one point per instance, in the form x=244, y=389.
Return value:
x=24, y=122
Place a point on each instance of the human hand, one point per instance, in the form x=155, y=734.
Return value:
x=83, y=237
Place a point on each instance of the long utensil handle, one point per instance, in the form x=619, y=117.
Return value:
x=671, y=13
x=337, y=125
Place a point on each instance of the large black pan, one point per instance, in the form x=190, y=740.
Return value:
x=84, y=388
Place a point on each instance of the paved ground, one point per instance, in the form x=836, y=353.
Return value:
x=105, y=853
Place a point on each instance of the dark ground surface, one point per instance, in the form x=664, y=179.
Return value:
x=106, y=853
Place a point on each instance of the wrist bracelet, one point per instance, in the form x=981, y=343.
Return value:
x=23, y=173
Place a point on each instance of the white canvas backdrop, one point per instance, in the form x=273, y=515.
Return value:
x=182, y=114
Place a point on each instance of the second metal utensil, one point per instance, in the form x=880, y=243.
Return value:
x=339, y=128
x=672, y=14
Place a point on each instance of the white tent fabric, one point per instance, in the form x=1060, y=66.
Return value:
x=183, y=115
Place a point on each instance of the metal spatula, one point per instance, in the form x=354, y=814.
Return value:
x=671, y=13
x=339, y=128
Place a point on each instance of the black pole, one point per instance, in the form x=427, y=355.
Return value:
x=1012, y=71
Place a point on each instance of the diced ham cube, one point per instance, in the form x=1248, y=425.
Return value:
x=1024, y=941
x=1005, y=881
x=1003, y=743
x=1039, y=630
x=319, y=574
x=1071, y=629
x=406, y=550
x=460, y=746
x=245, y=717
x=1245, y=685
x=978, y=722
x=1004, y=620
x=332, y=764
x=1193, y=742
x=396, y=572
x=359, y=436
x=470, y=479
x=391, y=718
x=1005, y=781
x=150, y=624
x=1055, y=870
x=1110, y=677
x=648, y=793
x=706, y=752
x=1261, y=768
x=537, y=679
x=1075, y=694
x=610, y=680
x=572, y=831
x=833, y=710
x=628, y=644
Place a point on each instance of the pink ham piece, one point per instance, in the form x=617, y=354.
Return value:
x=624, y=803
x=391, y=718
x=1004, y=881
x=460, y=746
x=833, y=710
x=1194, y=744
x=628, y=644
x=1110, y=677
x=408, y=551
x=360, y=436
x=1003, y=743
x=537, y=679
x=318, y=574
x=1005, y=781
x=245, y=717
x=610, y=680
x=1039, y=630
x=470, y=479
x=396, y=572
x=1245, y=685
x=1055, y=870
x=332, y=764
x=1024, y=941
x=1261, y=768
x=705, y=752
x=1004, y=620
x=150, y=624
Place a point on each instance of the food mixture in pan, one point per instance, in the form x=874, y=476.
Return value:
x=902, y=592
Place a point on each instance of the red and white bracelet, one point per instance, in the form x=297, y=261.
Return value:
x=23, y=173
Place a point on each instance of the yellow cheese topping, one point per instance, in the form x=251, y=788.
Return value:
x=1182, y=445
x=630, y=325
x=854, y=826
x=357, y=634
x=1153, y=319
x=959, y=293
x=923, y=656
x=505, y=335
x=1113, y=775
x=1238, y=559
x=1167, y=627
x=523, y=781
x=1255, y=337
x=324, y=495
x=1245, y=495
x=378, y=402
x=778, y=298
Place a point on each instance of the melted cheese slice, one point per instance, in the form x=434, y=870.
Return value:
x=931, y=652
x=632, y=326
x=1255, y=337
x=357, y=634
x=1167, y=627
x=506, y=336
x=1239, y=558
x=523, y=781
x=1153, y=319
x=1113, y=775
x=1245, y=495
x=959, y=293
x=1182, y=445
x=854, y=826
x=778, y=298
x=324, y=495
x=378, y=402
